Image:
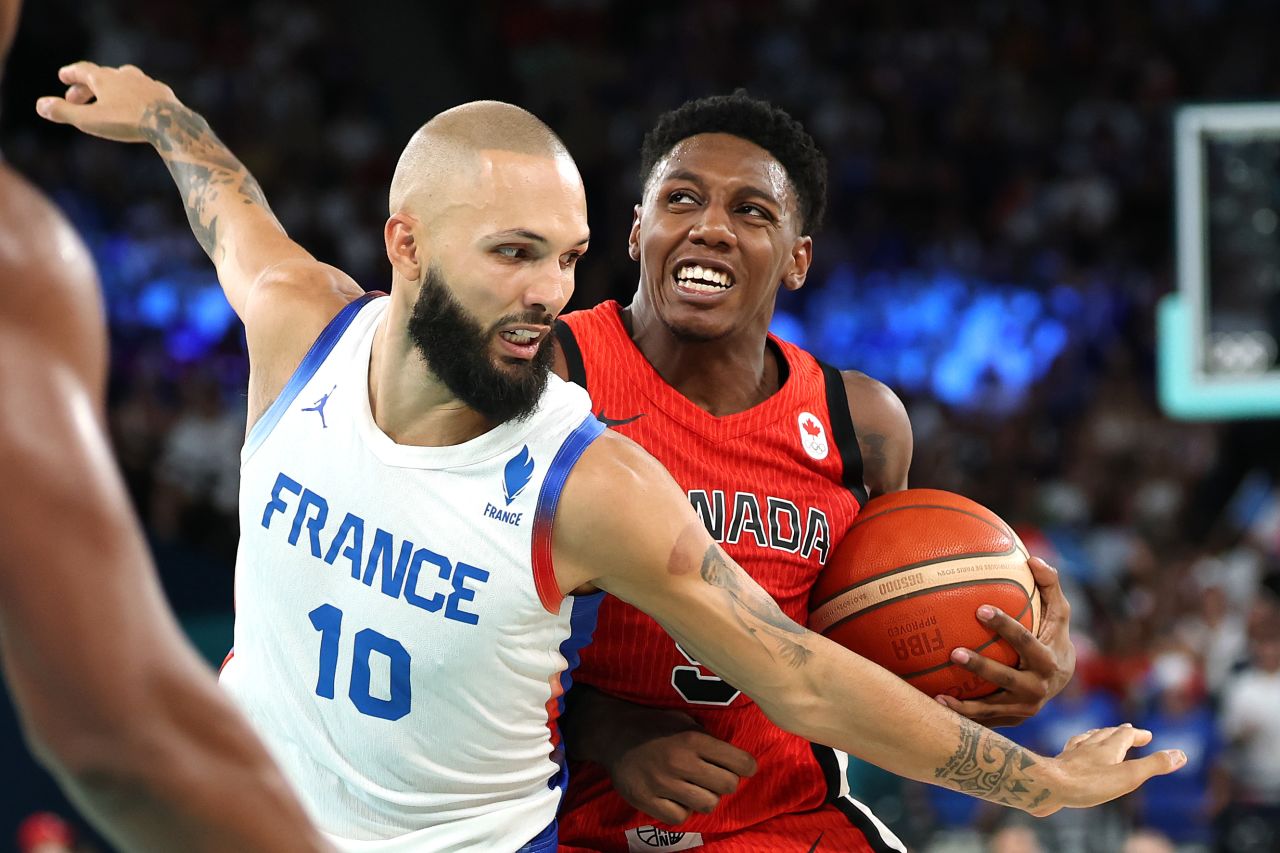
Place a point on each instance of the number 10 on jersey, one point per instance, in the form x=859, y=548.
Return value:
x=327, y=619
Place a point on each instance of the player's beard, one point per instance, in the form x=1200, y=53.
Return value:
x=457, y=349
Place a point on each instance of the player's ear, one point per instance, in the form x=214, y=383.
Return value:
x=801, y=258
x=403, y=250
x=633, y=239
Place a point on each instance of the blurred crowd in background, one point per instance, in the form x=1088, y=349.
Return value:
x=1000, y=228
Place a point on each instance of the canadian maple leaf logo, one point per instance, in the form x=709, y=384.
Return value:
x=812, y=427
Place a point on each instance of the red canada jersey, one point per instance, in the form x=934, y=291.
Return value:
x=777, y=486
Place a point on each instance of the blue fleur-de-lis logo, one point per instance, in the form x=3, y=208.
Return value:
x=516, y=475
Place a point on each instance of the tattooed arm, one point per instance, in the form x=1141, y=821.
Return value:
x=884, y=433
x=283, y=295
x=224, y=204
x=624, y=526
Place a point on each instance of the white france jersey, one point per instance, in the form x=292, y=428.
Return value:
x=400, y=641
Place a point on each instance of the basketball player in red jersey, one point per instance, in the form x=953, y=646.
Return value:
x=651, y=549
x=778, y=453
x=112, y=698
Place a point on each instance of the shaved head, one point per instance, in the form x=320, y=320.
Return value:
x=446, y=150
x=488, y=217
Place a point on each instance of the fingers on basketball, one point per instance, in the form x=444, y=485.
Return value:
x=1057, y=608
x=903, y=586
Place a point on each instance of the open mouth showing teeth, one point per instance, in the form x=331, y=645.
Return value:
x=519, y=336
x=699, y=279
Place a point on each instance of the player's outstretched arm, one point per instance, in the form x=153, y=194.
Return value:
x=284, y=296
x=1047, y=658
x=225, y=206
x=651, y=550
x=111, y=696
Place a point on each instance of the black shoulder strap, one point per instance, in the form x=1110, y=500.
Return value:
x=572, y=353
x=842, y=431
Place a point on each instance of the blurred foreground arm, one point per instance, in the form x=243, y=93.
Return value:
x=113, y=699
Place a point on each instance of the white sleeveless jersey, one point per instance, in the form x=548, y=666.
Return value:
x=400, y=641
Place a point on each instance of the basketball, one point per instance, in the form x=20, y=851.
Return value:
x=904, y=585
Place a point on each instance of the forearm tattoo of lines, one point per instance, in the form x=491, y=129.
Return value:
x=989, y=766
x=201, y=166
x=762, y=609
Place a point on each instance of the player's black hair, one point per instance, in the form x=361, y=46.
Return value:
x=754, y=120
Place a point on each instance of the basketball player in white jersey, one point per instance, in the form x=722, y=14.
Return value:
x=428, y=518
x=112, y=698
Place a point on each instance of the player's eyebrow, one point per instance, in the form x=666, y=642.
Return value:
x=747, y=190
x=530, y=236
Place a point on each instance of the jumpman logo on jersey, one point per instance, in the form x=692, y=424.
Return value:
x=318, y=408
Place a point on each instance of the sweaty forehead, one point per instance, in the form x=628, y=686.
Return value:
x=722, y=159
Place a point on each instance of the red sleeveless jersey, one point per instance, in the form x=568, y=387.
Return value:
x=777, y=485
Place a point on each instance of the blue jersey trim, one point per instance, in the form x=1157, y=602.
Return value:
x=548, y=499
x=310, y=364
x=582, y=617
x=582, y=624
x=585, y=433
x=546, y=841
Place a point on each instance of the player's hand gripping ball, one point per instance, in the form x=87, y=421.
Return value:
x=903, y=588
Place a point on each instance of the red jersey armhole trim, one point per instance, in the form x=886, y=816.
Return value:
x=544, y=574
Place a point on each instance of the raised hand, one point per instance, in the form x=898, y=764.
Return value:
x=1048, y=658
x=121, y=104
x=225, y=206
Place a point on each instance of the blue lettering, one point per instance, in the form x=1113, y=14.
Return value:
x=276, y=504
x=352, y=527
x=411, y=595
x=506, y=515
x=461, y=581
x=314, y=525
x=461, y=592
x=383, y=546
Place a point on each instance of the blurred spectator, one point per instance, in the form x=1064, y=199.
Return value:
x=197, y=479
x=1251, y=725
x=45, y=832
x=1148, y=841
x=1182, y=806
x=1216, y=631
x=1015, y=838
